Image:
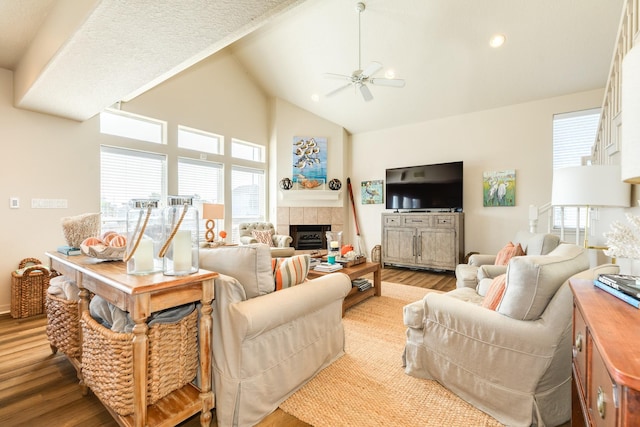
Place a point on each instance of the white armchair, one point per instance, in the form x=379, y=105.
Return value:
x=513, y=363
x=280, y=243
x=482, y=266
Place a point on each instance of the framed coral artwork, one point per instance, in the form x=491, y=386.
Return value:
x=499, y=188
x=309, y=161
x=371, y=192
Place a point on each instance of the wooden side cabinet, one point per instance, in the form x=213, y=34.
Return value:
x=423, y=240
x=606, y=359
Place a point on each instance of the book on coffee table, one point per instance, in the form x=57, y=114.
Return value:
x=327, y=268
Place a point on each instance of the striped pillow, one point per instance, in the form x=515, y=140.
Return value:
x=495, y=293
x=290, y=271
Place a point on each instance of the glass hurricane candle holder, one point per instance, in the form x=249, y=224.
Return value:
x=144, y=237
x=181, y=247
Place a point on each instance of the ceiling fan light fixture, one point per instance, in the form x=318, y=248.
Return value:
x=497, y=40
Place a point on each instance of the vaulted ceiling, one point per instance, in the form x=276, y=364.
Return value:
x=75, y=58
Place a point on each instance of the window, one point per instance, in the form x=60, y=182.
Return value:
x=204, y=181
x=132, y=126
x=125, y=175
x=247, y=151
x=248, y=197
x=573, y=136
x=198, y=140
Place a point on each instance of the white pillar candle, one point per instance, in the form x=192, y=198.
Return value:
x=143, y=258
x=334, y=244
x=182, y=251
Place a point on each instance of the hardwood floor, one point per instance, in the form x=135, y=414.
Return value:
x=38, y=388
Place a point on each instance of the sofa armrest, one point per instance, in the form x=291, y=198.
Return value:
x=281, y=240
x=257, y=315
x=490, y=271
x=247, y=240
x=482, y=259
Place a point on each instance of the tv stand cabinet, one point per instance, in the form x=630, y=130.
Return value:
x=433, y=240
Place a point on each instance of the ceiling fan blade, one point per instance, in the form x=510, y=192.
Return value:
x=371, y=69
x=366, y=93
x=336, y=76
x=388, y=82
x=338, y=89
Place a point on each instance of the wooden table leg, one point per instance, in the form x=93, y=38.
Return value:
x=140, y=350
x=377, y=281
x=206, y=395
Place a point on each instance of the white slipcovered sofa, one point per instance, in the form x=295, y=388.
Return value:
x=513, y=363
x=266, y=343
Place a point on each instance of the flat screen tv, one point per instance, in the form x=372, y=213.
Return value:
x=424, y=188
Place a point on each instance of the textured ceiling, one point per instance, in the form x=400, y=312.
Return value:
x=87, y=56
x=75, y=58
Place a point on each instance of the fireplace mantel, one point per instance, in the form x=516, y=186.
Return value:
x=310, y=195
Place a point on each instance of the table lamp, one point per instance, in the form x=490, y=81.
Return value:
x=590, y=187
x=211, y=212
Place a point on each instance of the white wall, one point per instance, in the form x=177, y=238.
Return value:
x=515, y=137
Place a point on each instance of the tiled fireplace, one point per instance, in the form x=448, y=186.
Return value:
x=323, y=218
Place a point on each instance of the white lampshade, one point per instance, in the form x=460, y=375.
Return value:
x=630, y=103
x=597, y=185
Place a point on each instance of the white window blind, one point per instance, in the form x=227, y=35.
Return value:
x=125, y=175
x=248, y=196
x=573, y=136
x=204, y=181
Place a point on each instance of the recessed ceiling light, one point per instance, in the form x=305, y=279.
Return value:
x=315, y=97
x=390, y=74
x=497, y=40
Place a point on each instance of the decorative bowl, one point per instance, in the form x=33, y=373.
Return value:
x=104, y=252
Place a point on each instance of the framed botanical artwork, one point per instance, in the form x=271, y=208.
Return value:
x=371, y=192
x=309, y=161
x=499, y=188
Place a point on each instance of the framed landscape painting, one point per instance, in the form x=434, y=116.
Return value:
x=499, y=188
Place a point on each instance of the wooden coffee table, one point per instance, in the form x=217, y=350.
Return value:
x=355, y=296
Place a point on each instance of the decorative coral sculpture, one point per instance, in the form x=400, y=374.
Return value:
x=624, y=241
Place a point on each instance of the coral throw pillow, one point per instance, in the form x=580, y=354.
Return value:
x=263, y=236
x=506, y=253
x=496, y=291
x=290, y=271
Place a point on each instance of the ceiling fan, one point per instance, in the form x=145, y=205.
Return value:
x=359, y=78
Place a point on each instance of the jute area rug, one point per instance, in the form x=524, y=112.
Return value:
x=368, y=387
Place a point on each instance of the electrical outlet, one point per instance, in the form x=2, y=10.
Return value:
x=14, y=202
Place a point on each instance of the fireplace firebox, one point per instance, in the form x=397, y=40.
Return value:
x=309, y=236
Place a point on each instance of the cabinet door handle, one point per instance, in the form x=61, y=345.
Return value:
x=577, y=345
x=600, y=403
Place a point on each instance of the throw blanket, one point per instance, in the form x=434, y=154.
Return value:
x=63, y=287
x=119, y=320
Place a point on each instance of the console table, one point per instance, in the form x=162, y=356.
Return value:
x=141, y=296
x=606, y=368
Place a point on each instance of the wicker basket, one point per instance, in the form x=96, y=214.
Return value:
x=63, y=325
x=28, y=288
x=107, y=361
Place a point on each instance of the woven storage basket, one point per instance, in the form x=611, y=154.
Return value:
x=28, y=288
x=63, y=325
x=107, y=361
